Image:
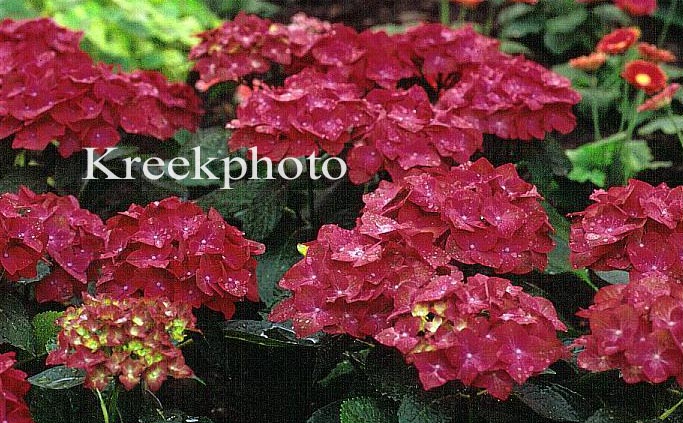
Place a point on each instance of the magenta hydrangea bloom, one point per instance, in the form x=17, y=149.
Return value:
x=636, y=328
x=420, y=99
x=51, y=90
x=173, y=249
x=638, y=228
x=46, y=227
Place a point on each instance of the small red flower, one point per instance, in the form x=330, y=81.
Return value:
x=646, y=76
x=637, y=7
x=618, y=41
x=592, y=62
x=655, y=54
x=661, y=99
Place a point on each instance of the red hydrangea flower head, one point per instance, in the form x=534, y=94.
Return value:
x=638, y=228
x=173, y=249
x=637, y=328
x=46, y=227
x=474, y=214
x=13, y=388
x=51, y=90
x=476, y=332
x=644, y=75
x=132, y=340
x=618, y=41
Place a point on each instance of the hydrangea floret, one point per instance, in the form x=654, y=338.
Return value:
x=174, y=249
x=129, y=340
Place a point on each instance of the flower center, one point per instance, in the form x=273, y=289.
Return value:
x=643, y=79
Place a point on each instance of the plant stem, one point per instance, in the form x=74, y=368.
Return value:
x=670, y=113
x=103, y=406
x=312, y=218
x=665, y=415
x=667, y=22
x=445, y=12
x=594, y=112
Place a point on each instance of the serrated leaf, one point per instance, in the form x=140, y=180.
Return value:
x=362, y=410
x=613, y=277
x=415, y=410
x=342, y=368
x=266, y=333
x=326, y=414
x=60, y=377
x=669, y=125
x=271, y=266
x=553, y=401
x=15, y=327
x=212, y=143
x=256, y=203
x=45, y=329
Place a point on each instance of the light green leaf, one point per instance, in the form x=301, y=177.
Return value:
x=45, y=330
x=669, y=125
x=567, y=23
x=614, y=276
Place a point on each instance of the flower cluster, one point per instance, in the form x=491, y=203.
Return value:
x=51, y=90
x=393, y=277
x=644, y=74
x=485, y=332
x=173, y=249
x=637, y=328
x=473, y=214
x=423, y=98
x=34, y=227
x=638, y=228
x=131, y=339
x=13, y=388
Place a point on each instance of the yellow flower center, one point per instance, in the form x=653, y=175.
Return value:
x=643, y=79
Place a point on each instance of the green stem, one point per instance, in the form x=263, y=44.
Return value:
x=667, y=22
x=634, y=115
x=670, y=113
x=103, y=406
x=445, y=15
x=665, y=415
x=594, y=112
x=624, y=102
